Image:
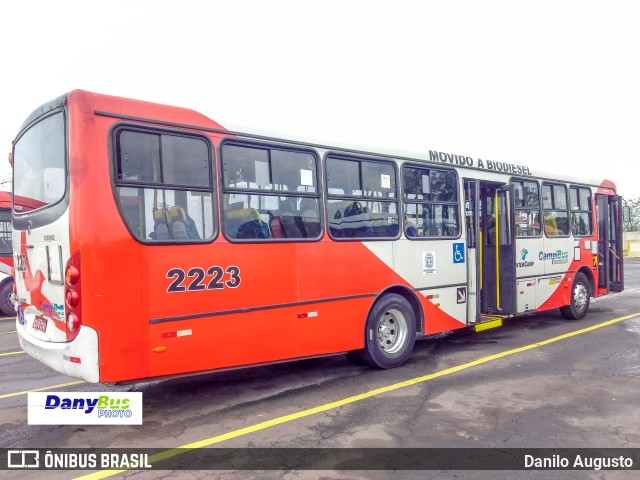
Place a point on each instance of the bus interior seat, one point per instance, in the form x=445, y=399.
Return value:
x=341, y=227
x=177, y=223
x=161, y=231
x=179, y=230
x=160, y=226
x=310, y=216
x=334, y=218
x=288, y=217
x=550, y=226
x=562, y=224
x=182, y=226
x=245, y=223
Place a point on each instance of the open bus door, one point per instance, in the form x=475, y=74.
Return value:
x=489, y=213
x=498, y=250
x=610, y=266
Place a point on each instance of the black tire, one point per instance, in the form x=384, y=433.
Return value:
x=390, y=333
x=6, y=307
x=580, y=298
x=355, y=356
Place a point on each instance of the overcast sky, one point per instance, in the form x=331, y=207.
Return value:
x=554, y=85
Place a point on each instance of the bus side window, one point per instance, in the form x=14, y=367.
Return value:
x=268, y=185
x=164, y=184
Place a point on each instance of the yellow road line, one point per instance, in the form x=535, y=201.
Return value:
x=356, y=398
x=7, y=395
x=7, y=333
x=11, y=353
x=6, y=319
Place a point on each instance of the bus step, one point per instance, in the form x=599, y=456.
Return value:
x=487, y=322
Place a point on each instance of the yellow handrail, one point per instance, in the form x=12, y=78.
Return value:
x=481, y=249
x=495, y=208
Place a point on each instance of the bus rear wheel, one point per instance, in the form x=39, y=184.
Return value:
x=580, y=298
x=390, y=333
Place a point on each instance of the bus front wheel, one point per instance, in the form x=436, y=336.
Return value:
x=580, y=298
x=6, y=307
x=390, y=333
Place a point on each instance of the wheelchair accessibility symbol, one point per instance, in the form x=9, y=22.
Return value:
x=458, y=253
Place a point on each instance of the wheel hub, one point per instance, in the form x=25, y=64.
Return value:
x=392, y=331
x=580, y=297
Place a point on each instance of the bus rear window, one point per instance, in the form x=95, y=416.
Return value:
x=39, y=178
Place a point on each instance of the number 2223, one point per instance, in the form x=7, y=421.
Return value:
x=198, y=278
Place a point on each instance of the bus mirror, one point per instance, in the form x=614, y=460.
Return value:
x=626, y=214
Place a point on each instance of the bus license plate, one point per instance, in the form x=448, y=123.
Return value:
x=40, y=323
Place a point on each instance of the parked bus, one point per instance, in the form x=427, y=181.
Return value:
x=6, y=256
x=150, y=242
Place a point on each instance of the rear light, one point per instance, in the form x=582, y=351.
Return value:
x=72, y=274
x=73, y=296
x=73, y=322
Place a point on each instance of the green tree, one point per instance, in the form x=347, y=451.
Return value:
x=634, y=217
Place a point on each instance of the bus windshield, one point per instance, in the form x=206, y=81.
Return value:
x=39, y=165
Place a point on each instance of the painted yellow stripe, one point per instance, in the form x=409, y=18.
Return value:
x=6, y=319
x=356, y=398
x=60, y=385
x=11, y=353
x=7, y=333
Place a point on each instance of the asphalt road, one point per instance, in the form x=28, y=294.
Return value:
x=576, y=391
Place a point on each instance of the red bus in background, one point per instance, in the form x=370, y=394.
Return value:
x=6, y=256
x=236, y=249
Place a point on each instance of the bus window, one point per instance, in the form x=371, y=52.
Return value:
x=503, y=233
x=180, y=212
x=430, y=203
x=527, y=203
x=269, y=193
x=581, y=211
x=362, y=198
x=556, y=216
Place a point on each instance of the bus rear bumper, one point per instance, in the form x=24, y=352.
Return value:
x=78, y=358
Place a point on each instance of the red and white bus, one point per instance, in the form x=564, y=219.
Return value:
x=6, y=256
x=150, y=241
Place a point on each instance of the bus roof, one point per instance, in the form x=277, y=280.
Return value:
x=187, y=118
